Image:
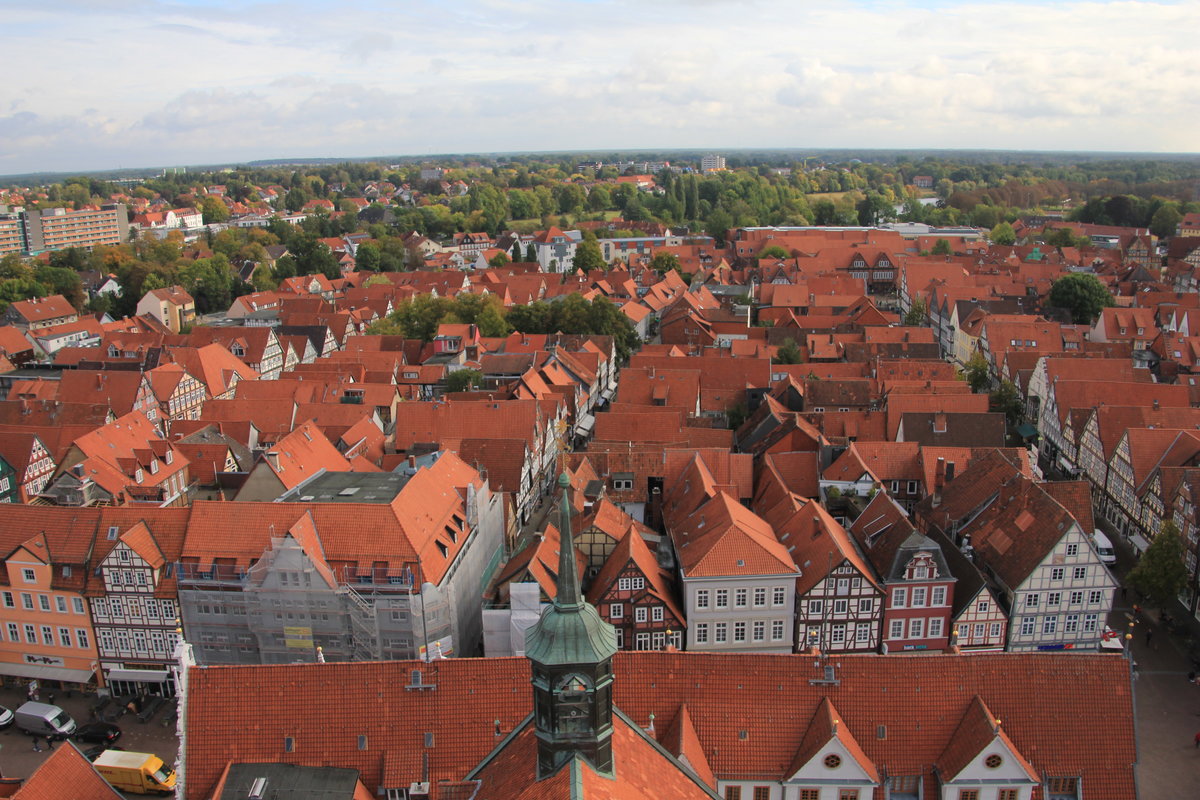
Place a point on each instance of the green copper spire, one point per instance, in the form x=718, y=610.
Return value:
x=570, y=631
x=568, y=596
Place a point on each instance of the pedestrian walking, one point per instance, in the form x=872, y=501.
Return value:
x=37, y=745
x=49, y=742
x=1198, y=740
x=50, y=698
x=1149, y=636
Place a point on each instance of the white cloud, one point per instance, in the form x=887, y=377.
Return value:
x=196, y=82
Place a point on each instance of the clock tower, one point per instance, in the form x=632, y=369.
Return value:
x=571, y=650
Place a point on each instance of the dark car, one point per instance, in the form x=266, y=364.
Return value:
x=99, y=732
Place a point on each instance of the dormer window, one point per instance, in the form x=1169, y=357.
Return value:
x=169, y=457
x=154, y=467
x=139, y=476
x=237, y=350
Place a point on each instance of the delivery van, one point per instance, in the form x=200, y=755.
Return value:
x=1104, y=548
x=142, y=773
x=43, y=719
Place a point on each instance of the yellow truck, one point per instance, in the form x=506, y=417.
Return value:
x=143, y=773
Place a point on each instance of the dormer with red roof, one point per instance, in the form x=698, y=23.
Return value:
x=295, y=458
x=980, y=754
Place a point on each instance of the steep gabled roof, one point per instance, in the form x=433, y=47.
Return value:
x=723, y=537
x=978, y=729
x=825, y=726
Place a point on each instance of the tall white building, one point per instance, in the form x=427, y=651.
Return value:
x=712, y=163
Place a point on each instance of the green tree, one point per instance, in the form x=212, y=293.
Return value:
x=368, y=257
x=498, y=260
x=491, y=321
x=1160, y=575
x=1165, y=220
x=977, y=373
x=1003, y=234
x=530, y=253
x=463, y=380
x=1007, y=401
x=665, y=262
x=774, y=251
x=917, y=313
x=788, y=353
x=942, y=248
x=1081, y=293
x=588, y=256
x=516, y=251
x=214, y=209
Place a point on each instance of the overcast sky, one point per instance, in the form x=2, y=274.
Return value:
x=100, y=84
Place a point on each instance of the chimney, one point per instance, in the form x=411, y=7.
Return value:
x=949, y=471
x=939, y=481
x=1156, y=404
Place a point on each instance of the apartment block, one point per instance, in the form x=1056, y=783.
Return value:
x=60, y=228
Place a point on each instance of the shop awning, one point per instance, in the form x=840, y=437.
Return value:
x=1026, y=431
x=139, y=675
x=48, y=673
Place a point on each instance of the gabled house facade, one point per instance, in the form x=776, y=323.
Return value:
x=636, y=596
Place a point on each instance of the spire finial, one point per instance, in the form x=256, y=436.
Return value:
x=568, y=576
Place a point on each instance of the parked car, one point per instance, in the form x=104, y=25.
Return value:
x=98, y=732
x=7, y=718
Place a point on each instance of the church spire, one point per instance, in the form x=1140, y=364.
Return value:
x=570, y=650
x=568, y=596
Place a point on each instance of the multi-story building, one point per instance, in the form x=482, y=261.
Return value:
x=839, y=601
x=48, y=634
x=135, y=610
x=917, y=581
x=271, y=582
x=12, y=232
x=40, y=312
x=712, y=163
x=60, y=228
x=172, y=306
x=738, y=579
x=1041, y=560
x=31, y=462
x=555, y=249
x=635, y=595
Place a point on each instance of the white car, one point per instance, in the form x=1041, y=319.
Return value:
x=7, y=718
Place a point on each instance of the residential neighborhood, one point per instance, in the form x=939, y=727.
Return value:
x=770, y=511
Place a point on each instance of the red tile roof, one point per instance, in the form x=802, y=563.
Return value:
x=751, y=715
x=66, y=774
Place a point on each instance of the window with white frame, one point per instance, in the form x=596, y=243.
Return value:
x=866, y=605
x=1050, y=625
x=837, y=633
x=778, y=596
x=918, y=596
x=1027, y=626
x=27, y=601
x=759, y=631
x=702, y=598
x=777, y=630
x=1090, y=623
x=721, y=633
x=1071, y=623
x=639, y=614
x=840, y=606
x=896, y=629
x=916, y=628
x=862, y=633
x=994, y=630
x=702, y=633
x=1079, y=573
x=938, y=596
x=739, y=631
x=1053, y=598
x=816, y=607
x=899, y=597
x=935, y=627
x=28, y=575
x=656, y=614
x=1076, y=598
x=1072, y=550
x=722, y=598
x=616, y=610
x=1032, y=600
x=739, y=598
x=760, y=597
x=1095, y=596
x=1057, y=573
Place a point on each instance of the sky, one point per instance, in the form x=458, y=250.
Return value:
x=105, y=84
